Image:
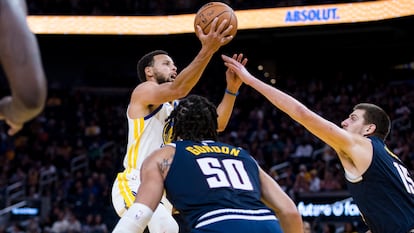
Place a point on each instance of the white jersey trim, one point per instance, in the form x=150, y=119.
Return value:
x=227, y=214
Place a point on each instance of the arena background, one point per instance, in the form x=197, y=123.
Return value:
x=102, y=67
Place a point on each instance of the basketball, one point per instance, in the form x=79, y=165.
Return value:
x=209, y=11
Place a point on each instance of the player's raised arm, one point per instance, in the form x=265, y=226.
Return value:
x=21, y=61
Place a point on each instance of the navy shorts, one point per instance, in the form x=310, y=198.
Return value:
x=241, y=226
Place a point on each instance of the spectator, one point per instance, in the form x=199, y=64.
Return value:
x=88, y=224
x=315, y=181
x=328, y=228
x=349, y=227
x=99, y=225
x=307, y=227
x=329, y=183
x=74, y=225
x=302, y=181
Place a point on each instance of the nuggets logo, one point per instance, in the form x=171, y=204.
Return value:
x=167, y=132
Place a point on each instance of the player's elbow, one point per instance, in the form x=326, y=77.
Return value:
x=291, y=217
x=34, y=101
x=32, y=108
x=289, y=211
x=293, y=214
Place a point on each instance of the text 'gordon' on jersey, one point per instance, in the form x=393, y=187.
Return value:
x=196, y=150
x=312, y=15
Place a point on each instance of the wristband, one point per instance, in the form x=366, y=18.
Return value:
x=231, y=93
x=135, y=219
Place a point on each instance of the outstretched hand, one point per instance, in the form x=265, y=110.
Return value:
x=238, y=68
x=233, y=81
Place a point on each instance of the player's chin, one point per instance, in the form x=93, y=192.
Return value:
x=168, y=80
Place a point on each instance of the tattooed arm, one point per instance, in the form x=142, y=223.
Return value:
x=153, y=172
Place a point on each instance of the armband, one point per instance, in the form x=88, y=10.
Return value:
x=231, y=93
x=134, y=220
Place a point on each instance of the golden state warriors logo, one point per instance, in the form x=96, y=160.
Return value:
x=167, y=132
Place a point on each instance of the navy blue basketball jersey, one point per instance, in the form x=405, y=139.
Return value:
x=385, y=195
x=216, y=186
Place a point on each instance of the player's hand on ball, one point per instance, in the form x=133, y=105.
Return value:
x=217, y=36
x=215, y=22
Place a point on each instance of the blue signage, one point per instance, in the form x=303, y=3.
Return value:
x=311, y=15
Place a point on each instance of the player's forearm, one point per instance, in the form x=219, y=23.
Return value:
x=28, y=97
x=134, y=220
x=24, y=71
x=291, y=223
x=224, y=111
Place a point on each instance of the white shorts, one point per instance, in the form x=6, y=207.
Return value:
x=124, y=190
x=123, y=196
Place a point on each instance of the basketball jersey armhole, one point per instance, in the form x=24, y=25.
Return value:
x=351, y=177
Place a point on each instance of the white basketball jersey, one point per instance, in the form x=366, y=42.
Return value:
x=145, y=134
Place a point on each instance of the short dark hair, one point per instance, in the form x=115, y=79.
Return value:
x=147, y=60
x=195, y=118
x=377, y=116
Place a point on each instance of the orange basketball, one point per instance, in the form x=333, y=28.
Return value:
x=206, y=14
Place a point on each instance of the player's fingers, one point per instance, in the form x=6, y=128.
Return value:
x=234, y=57
x=222, y=28
x=229, y=62
x=244, y=62
x=240, y=57
x=232, y=60
x=228, y=29
x=226, y=39
x=12, y=131
x=14, y=127
x=231, y=66
x=225, y=58
x=213, y=27
x=199, y=31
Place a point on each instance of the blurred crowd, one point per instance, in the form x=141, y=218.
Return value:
x=82, y=121
x=155, y=7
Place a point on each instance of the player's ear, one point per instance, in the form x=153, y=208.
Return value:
x=148, y=71
x=370, y=129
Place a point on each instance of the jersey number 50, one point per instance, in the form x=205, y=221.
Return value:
x=405, y=177
x=225, y=173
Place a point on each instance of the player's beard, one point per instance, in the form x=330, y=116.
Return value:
x=161, y=78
